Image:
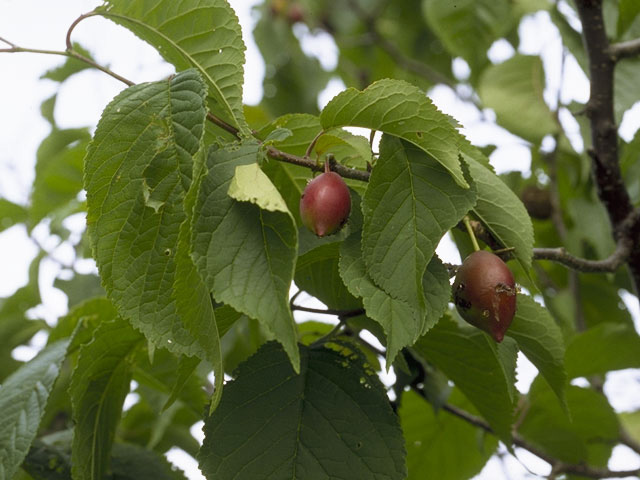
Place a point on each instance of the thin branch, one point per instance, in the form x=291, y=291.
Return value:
x=329, y=311
x=627, y=232
x=8, y=42
x=223, y=125
x=628, y=49
x=65, y=53
x=560, y=255
x=345, y=172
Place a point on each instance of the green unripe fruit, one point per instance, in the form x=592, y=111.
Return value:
x=325, y=204
x=484, y=293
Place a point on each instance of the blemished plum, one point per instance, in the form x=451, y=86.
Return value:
x=485, y=292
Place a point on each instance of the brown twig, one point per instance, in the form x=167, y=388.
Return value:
x=621, y=50
x=346, y=172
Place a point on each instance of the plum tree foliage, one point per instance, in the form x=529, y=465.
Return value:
x=193, y=219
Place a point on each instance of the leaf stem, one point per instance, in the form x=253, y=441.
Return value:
x=74, y=24
x=472, y=235
x=307, y=153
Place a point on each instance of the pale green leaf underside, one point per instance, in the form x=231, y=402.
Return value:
x=540, y=339
x=137, y=172
x=250, y=184
x=602, y=348
x=410, y=203
x=465, y=356
x=245, y=255
x=502, y=212
x=514, y=90
x=204, y=34
x=23, y=398
x=333, y=420
x=99, y=384
x=403, y=110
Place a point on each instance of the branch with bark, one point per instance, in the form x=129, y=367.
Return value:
x=604, y=153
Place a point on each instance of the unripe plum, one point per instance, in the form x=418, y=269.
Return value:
x=325, y=204
x=484, y=293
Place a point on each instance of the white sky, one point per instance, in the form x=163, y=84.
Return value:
x=43, y=24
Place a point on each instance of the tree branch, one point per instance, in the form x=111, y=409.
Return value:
x=628, y=232
x=330, y=311
x=606, y=168
x=345, y=172
x=560, y=255
x=621, y=50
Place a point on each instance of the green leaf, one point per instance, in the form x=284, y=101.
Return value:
x=402, y=325
x=351, y=150
x=601, y=349
x=137, y=173
x=49, y=459
x=23, y=399
x=514, y=87
x=403, y=110
x=98, y=387
x=15, y=328
x=133, y=462
x=465, y=355
x=186, y=367
x=502, y=212
x=628, y=11
x=245, y=255
x=80, y=287
x=587, y=437
x=317, y=273
x=70, y=67
x=277, y=135
x=58, y=171
x=292, y=79
x=193, y=298
x=410, y=203
x=11, y=213
x=540, y=339
x=250, y=184
x=303, y=127
x=468, y=28
x=430, y=437
x=212, y=43
x=333, y=420
x=290, y=181
x=90, y=314
x=631, y=422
